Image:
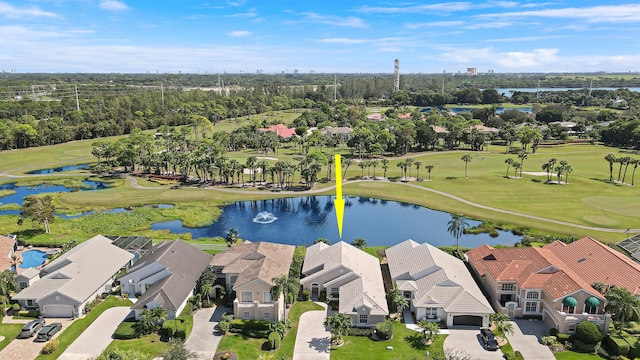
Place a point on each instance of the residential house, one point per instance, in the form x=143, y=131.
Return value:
x=537, y=283
x=375, y=117
x=341, y=131
x=249, y=270
x=281, y=130
x=26, y=278
x=485, y=129
x=77, y=277
x=8, y=247
x=165, y=276
x=437, y=286
x=350, y=277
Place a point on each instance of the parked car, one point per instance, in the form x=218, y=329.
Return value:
x=490, y=342
x=31, y=328
x=47, y=332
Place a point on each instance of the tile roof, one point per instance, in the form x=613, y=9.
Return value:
x=185, y=263
x=258, y=260
x=439, y=129
x=79, y=272
x=440, y=279
x=597, y=262
x=7, y=245
x=281, y=130
x=530, y=267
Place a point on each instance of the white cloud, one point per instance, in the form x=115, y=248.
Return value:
x=429, y=8
x=595, y=14
x=238, y=33
x=509, y=60
x=236, y=3
x=349, y=21
x=529, y=38
x=416, y=26
x=252, y=13
x=113, y=5
x=24, y=34
x=489, y=25
x=343, y=41
x=9, y=11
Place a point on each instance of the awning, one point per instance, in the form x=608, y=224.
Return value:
x=570, y=301
x=593, y=302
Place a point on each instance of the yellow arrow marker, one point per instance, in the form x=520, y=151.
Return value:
x=339, y=201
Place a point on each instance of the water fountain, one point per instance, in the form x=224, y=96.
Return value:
x=264, y=217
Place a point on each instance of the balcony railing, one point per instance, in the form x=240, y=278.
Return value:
x=581, y=317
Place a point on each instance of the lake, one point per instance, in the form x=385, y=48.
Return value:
x=509, y=91
x=23, y=191
x=60, y=169
x=302, y=220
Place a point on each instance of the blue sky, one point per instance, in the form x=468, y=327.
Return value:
x=328, y=36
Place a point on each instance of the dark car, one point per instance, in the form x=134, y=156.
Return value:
x=31, y=328
x=47, y=332
x=490, y=342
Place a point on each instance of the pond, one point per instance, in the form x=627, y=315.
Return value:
x=23, y=191
x=60, y=169
x=301, y=220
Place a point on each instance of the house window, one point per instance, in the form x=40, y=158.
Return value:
x=247, y=296
x=407, y=294
x=591, y=309
x=218, y=271
x=267, y=297
x=569, y=309
x=572, y=328
x=431, y=312
x=532, y=295
x=364, y=319
x=23, y=285
x=267, y=316
x=334, y=291
x=246, y=315
x=30, y=303
x=507, y=287
x=531, y=306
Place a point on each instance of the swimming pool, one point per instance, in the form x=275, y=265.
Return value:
x=33, y=258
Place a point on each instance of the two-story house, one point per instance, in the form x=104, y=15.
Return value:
x=165, y=276
x=347, y=275
x=249, y=270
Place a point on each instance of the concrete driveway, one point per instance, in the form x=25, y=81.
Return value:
x=28, y=349
x=313, y=341
x=466, y=343
x=204, y=339
x=97, y=336
x=526, y=339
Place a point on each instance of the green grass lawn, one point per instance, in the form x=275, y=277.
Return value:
x=148, y=344
x=406, y=345
x=9, y=332
x=78, y=326
x=249, y=348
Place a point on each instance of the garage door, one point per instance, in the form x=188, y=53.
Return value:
x=58, y=311
x=467, y=320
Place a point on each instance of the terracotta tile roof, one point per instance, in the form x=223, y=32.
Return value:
x=7, y=245
x=375, y=117
x=281, y=130
x=439, y=129
x=597, y=262
x=404, y=116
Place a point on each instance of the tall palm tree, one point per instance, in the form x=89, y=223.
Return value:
x=467, y=159
x=346, y=163
x=522, y=156
x=635, y=166
x=251, y=164
x=567, y=170
x=509, y=162
x=402, y=165
x=516, y=167
x=429, y=168
x=627, y=160
x=456, y=227
x=611, y=159
x=409, y=162
x=621, y=162
x=385, y=167
x=359, y=243
x=339, y=323
x=8, y=285
x=418, y=164
x=15, y=262
x=622, y=303
x=284, y=285
x=232, y=236
x=374, y=163
x=207, y=290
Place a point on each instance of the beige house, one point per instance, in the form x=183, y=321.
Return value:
x=165, y=276
x=437, y=286
x=552, y=284
x=347, y=275
x=68, y=283
x=249, y=270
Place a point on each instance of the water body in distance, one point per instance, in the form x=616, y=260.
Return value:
x=301, y=220
x=23, y=191
x=60, y=169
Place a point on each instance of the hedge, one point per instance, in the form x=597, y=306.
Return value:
x=358, y=331
x=251, y=328
x=384, y=330
x=179, y=327
x=274, y=340
x=126, y=330
x=588, y=333
x=582, y=347
x=616, y=345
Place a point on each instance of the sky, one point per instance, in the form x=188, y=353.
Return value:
x=323, y=36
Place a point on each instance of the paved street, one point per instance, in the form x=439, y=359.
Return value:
x=313, y=341
x=204, y=339
x=97, y=336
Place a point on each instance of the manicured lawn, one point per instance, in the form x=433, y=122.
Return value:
x=78, y=326
x=148, y=344
x=10, y=332
x=571, y=355
x=406, y=345
x=249, y=348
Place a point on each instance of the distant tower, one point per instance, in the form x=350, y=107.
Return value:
x=396, y=75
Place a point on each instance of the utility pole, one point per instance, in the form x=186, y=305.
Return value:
x=77, y=101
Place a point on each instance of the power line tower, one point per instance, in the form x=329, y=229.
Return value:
x=396, y=75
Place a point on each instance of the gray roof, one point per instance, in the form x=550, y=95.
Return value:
x=251, y=261
x=364, y=285
x=79, y=272
x=185, y=263
x=28, y=274
x=439, y=279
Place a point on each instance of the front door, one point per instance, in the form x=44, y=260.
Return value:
x=314, y=291
x=511, y=309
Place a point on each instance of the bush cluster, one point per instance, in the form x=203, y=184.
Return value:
x=258, y=329
x=274, y=340
x=179, y=327
x=384, y=330
x=588, y=333
x=224, y=326
x=357, y=331
x=50, y=346
x=306, y=295
x=29, y=313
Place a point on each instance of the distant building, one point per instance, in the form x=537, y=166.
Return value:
x=281, y=130
x=472, y=71
x=375, y=117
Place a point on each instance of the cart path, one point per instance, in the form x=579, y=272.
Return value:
x=134, y=184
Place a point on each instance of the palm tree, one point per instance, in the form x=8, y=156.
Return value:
x=374, y=163
x=339, y=323
x=467, y=159
x=15, y=262
x=418, y=164
x=611, y=159
x=516, y=166
x=509, y=162
x=622, y=303
x=8, y=285
x=159, y=315
x=503, y=323
x=567, y=170
x=321, y=240
x=621, y=162
x=385, y=167
x=635, y=166
x=456, y=227
x=359, y=243
x=551, y=163
x=232, y=236
x=430, y=330
x=627, y=160
x=362, y=164
x=346, y=163
x=207, y=290
x=408, y=162
x=522, y=156
x=251, y=164
x=284, y=285
x=429, y=168
x=403, y=166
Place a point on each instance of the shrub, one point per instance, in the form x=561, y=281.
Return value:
x=616, y=345
x=224, y=326
x=50, y=346
x=179, y=327
x=357, y=331
x=15, y=307
x=207, y=304
x=306, y=295
x=553, y=332
x=29, y=313
x=126, y=330
x=549, y=340
x=132, y=354
x=251, y=328
x=323, y=295
x=384, y=330
x=274, y=340
x=519, y=356
x=579, y=346
x=588, y=333
x=279, y=327
x=227, y=317
x=188, y=310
